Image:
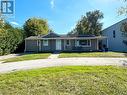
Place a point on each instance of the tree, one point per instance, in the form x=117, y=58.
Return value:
x=124, y=29
x=123, y=9
x=10, y=38
x=90, y=24
x=35, y=27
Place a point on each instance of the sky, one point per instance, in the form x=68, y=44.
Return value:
x=62, y=15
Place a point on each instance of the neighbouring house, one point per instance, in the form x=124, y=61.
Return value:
x=54, y=42
x=116, y=40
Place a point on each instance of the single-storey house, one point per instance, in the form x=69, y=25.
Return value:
x=54, y=42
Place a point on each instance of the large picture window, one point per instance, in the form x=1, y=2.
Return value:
x=84, y=43
x=45, y=42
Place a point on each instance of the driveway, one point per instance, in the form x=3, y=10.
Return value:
x=32, y=64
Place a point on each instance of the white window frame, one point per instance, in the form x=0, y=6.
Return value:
x=67, y=44
x=45, y=42
x=78, y=44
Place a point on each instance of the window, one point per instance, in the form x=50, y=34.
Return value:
x=67, y=42
x=84, y=43
x=114, y=34
x=45, y=42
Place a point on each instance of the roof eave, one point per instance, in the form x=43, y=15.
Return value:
x=73, y=38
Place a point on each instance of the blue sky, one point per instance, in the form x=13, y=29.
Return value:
x=62, y=15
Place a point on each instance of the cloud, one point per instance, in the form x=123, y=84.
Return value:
x=52, y=4
x=14, y=23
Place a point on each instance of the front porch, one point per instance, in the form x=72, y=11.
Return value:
x=83, y=44
x=68, y=45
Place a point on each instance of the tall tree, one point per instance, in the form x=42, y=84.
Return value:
x=36, y=26
x=123, y=9
x=10, y=38
x=90, y=23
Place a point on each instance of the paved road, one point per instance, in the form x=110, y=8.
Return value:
x=24, y=65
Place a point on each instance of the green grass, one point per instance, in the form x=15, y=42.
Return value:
x=93, y=54
x=27, y=57
x=74, y=80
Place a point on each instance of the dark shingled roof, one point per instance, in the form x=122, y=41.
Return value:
x=53, y=35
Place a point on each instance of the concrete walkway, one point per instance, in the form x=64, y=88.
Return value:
x=24, y=65
x=54, y=56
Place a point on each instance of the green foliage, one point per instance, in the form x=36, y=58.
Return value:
x=124, y=29
x=36, y=26
x=10, y=38
x=89, y=24
x=70, y=80
x=123, y=9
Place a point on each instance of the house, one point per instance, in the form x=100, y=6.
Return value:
x=116, y=40
x=54, y=42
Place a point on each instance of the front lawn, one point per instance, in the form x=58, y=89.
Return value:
x=74, y=80
x=28, y=57
x=93, y=54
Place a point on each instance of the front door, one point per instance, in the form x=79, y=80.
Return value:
x=58, y=44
